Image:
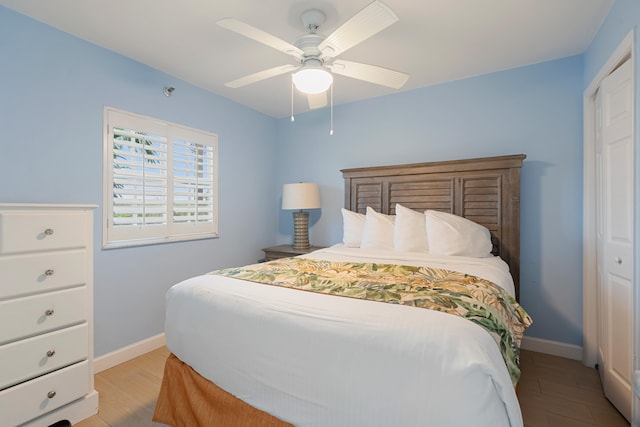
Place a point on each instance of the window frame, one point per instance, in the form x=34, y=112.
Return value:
x=169, y=230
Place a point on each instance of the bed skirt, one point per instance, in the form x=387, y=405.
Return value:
x=187, y=399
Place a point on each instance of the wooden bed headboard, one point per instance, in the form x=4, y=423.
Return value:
x=484, y=190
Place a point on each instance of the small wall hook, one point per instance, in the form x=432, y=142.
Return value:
x=168, y=90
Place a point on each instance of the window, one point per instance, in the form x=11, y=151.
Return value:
x=160, y=181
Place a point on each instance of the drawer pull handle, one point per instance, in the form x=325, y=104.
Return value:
x=51, y=394
x=48, y=231
x=51, y=353
x=49, y=312
x=49, y=272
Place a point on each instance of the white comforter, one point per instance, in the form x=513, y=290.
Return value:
x=321, y=360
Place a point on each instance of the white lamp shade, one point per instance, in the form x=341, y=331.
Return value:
x=312, y=80
x=301, y=195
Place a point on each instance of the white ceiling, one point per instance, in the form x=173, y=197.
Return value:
x=434, y=41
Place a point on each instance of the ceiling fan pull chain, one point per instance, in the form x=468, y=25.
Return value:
x=293, y=119
x=331, y=130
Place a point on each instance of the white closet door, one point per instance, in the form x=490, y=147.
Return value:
x=615, y=257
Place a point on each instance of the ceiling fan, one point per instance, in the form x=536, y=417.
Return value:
x=315, y=54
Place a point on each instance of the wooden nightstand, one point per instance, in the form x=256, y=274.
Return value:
x=285, y=251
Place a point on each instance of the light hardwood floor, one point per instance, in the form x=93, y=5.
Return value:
x=558, y=392
x=553, y=392
x=127, y=393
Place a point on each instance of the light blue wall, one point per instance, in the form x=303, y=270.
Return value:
x=54, y=89
x=623, y=17
x=535, y=110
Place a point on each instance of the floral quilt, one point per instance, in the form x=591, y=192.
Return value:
x=470, y=297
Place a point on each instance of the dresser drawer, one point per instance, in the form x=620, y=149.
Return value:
x=28, y=316
x=32, y=357
x=32, y=399
x=41, y=272
x=24, y=231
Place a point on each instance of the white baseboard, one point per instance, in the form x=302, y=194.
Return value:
x=555, y=348
x=127, y=353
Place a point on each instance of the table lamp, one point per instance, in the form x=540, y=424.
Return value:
x=301, y=195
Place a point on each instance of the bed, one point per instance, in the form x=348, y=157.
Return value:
x=288, y=343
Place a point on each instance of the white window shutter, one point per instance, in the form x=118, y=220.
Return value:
x=160, y=181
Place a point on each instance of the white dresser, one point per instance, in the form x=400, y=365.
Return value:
x=46, y=314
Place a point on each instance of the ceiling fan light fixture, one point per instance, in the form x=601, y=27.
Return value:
x=312, y=80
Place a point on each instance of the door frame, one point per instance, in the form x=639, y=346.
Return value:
x=589, y=273
x=589, y=279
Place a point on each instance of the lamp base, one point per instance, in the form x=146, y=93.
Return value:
x=301, y=230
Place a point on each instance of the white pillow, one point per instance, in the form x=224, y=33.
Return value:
x=352, y=227
x=410, y=230
x=378, y=231
x=449, y=234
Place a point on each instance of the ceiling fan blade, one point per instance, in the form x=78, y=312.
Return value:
x=364, y=24
x=370, y=73
x=261, y=75
x=260, y=36
x=317, y=100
